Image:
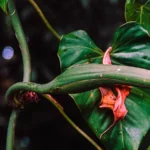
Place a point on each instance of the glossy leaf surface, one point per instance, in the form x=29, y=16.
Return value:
x=139, y=11
x=3, y=5
x=78, y=48
x=127, y=133
x=131, y=47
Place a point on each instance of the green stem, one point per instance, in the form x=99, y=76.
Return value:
x=86, y=77
x=11, y=130
x=53, y=101
x=21, y=39
x=44, y=19
x=26, y=69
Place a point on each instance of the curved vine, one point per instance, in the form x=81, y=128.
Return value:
x=26, y=69
x=86, y=77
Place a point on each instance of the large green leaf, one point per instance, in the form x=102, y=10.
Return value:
x=127, y=133
x=131, y=47
x=139, y=11
x=3, y=5
x=78, y=48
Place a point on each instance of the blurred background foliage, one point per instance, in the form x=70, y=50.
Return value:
x=40, y=126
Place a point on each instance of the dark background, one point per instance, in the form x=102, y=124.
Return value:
x=40, y=126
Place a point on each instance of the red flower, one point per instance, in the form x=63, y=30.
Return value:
x=110, y=100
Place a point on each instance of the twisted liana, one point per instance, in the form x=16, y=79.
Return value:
x=82, y=78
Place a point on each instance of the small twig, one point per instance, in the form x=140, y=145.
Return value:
x=44, y=19
x=53, y=101
x=50, y=98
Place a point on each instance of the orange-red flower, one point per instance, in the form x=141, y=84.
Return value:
x=111, y=101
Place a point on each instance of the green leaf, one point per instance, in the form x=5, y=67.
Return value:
x=131, y=47
x=127, y=133
x=139, y=11
x=78, y=48
x=148, y=148
x=3, y=5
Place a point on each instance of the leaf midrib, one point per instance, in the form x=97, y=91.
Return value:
x=95, y=50
x=122, y=135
